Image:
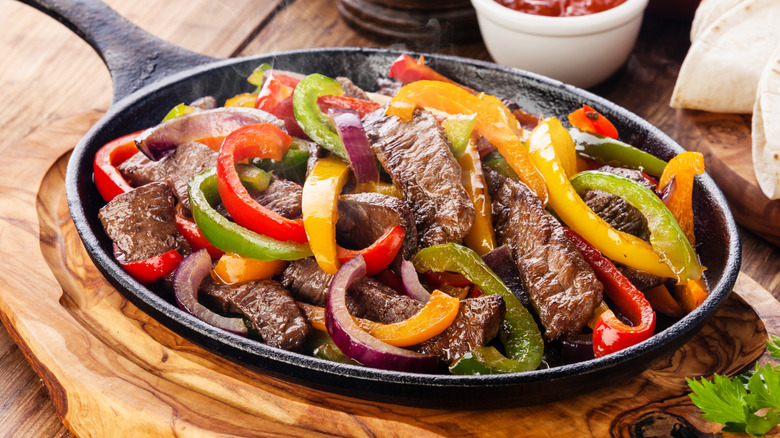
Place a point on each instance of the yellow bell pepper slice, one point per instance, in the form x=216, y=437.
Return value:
x=438, y=314
x=493, y=121
x=320, y=210
x=481, y=237
x=615, y=245
x=232, y=268
x=246, y=100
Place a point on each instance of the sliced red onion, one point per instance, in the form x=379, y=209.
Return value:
x=188, y=276
x=668, y=190
x=159, y=141
x=356, y=343
x=352, y=134
x=412, y=285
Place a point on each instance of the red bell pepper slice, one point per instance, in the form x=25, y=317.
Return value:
x=189, y=229
x=153, y=268
x=590, y=120
x=407, y=70
x=611, y=334
x=391, y=279
x=380, y=254
x=276, y=96
x=254, y=141
x=108, y=180
x=362, y=106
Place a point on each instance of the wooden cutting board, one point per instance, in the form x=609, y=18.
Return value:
x=725, y=141
x=113, y=371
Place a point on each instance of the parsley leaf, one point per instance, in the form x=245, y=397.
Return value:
x=735, y=402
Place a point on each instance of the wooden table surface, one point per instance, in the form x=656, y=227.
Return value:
x=48, y=74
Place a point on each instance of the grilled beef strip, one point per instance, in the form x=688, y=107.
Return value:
x=364, y=217
x=622, y=216
x=562, y=287
x=282, y=196
x=476, y=324
x=268, y=306
x=350, y=89
x=417, y=156
x=176, y=169
x=306, y=281
x=366, y=298
x=142, y=221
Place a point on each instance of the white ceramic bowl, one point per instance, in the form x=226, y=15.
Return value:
x=581, y=51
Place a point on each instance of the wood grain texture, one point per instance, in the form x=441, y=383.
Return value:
x=111, y=369
x=48, y=75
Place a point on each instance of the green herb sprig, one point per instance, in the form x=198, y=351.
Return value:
x=736, y=402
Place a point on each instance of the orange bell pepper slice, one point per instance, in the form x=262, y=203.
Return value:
x=438, y=314
x=691, y=294
x=232, y=268
x=590, y=120
x=494, y=121
x=682, y=168
x=662, y=301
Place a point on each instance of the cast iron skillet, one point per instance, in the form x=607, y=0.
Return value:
x=151, y=76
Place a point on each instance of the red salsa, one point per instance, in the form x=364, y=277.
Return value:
x=560, y=8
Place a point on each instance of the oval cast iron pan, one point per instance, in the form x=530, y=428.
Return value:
x=151, y=76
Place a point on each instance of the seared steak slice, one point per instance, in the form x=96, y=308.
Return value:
x=622, y=216
x=477, y=323
x=632, y=174
x=617, y=213
x=642, y=280
x=562, y=287
x=364, y=217
x=283, y=197
x=417, y=156
x=142, y=221
x=267, y=305
x=306, y=281
x=366, y=298
x=370, y=299
x=139, y=170
x=175, y=169
x=350, y=89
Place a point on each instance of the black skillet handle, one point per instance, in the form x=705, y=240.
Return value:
x=133, y=56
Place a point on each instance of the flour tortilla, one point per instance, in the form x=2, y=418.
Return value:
x=722, y=68
x=766, y=129
x=707, y=13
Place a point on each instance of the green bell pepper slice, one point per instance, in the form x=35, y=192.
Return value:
x=610, y=151
x=292, y=166
x=484, y=360
x=309, y=116
x=229, y=236
x=666, y=237
x=519, y=333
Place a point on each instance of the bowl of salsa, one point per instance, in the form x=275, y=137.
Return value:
x=580, y=42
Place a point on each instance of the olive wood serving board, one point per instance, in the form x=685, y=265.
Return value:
x=725, y=141
x=111, y=370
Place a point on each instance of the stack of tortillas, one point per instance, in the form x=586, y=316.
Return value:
x=733, y=66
